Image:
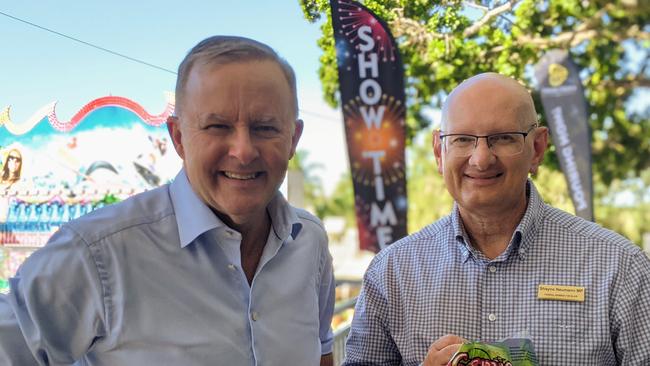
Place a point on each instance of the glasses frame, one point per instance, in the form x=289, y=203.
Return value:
x=486, y=137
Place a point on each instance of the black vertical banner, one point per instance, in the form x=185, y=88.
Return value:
x=566, y=112
x=371, y=81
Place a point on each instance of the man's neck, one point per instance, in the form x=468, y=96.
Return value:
x=490, y=232
x=252, y=244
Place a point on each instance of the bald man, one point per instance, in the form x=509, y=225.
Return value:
x=503, y=261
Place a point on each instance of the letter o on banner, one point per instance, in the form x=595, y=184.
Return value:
x=376, y=91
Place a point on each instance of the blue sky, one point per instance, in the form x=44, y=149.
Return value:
x=38, y=67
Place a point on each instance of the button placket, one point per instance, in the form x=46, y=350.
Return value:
x=491, y=303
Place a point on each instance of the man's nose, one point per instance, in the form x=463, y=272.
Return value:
x=243, y=147
x=482, y=157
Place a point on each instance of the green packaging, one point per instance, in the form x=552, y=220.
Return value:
x=509, y=352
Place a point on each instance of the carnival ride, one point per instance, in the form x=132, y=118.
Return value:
x=54, y=171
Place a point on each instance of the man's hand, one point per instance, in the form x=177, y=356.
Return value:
x=442, y=350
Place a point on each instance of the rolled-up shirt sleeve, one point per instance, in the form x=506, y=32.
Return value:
x=54, y=310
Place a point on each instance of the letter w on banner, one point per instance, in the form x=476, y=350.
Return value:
x=566, y=112
x=371, y=80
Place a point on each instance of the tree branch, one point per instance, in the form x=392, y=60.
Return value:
x=476, y=6
x=638, y=81
x=588, y=29
x=492, y=13
x=419, y=36
x=574, y=38
x=416, y=34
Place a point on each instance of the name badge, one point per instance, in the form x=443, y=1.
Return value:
x=561, y=293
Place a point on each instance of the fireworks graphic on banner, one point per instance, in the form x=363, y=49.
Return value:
x=352, y=17
x=386, y=138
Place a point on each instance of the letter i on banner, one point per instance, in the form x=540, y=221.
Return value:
x=371, y=81
x=566, y=112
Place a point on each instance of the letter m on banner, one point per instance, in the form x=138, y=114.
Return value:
x=371, y=81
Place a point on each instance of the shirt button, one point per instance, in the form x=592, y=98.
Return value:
x=492, y=317
x=492, y=269
x=255, y=316
x=231, y=267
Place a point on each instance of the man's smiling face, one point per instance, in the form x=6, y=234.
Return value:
x=236, y=133
x=482, y=181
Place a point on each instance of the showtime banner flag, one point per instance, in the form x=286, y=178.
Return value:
x=371, y=82
x=566, y=111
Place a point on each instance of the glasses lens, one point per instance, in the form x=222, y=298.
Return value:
x=460, y=145
x=506, y=144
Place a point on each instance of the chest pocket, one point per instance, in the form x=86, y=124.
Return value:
x=557, y=319
x=557, y=328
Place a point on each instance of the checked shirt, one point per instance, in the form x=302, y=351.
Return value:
x=434, y=283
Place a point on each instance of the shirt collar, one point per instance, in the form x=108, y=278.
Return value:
x=522, y=237
x=194, y=217
x=531, y=221
x=462, y=239
x=285, y=222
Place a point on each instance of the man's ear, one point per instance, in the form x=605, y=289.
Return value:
x=174, y=129
x=436, y=144
x=297, y=132
x=540, y=143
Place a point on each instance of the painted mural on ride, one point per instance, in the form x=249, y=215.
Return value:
x=53, y=170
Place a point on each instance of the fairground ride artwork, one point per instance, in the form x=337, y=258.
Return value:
x=52, y=171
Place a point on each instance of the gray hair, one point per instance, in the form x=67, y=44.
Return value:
x=221, y=50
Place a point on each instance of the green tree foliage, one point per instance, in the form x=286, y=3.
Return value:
x=339, y=203
x=622, y=206
x=445, y=42
x=313, y=186
x=427, y=196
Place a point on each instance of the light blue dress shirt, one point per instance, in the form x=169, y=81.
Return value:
x=157, y=280
x=435, y=282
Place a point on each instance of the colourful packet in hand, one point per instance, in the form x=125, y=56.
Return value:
x=509, y=352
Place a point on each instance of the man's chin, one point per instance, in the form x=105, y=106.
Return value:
x=482, y=202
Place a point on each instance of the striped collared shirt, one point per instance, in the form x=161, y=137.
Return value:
x=434, y=283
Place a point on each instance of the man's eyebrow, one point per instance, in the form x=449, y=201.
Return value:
x=265, y=118
x=213, y=117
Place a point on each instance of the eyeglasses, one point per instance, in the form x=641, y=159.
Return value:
x=501, y=144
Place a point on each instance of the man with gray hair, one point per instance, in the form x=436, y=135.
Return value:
x=215, y=268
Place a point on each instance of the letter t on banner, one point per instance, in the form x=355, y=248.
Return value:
x=371, y=81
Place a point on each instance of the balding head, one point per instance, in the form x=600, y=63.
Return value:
x=489, y=178
x=491, y=92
